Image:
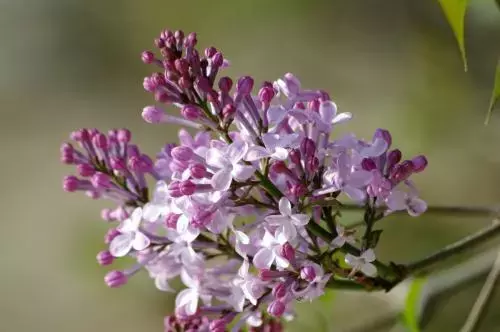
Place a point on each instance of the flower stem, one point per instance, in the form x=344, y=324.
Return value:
x=447, y=210
x=455, y=248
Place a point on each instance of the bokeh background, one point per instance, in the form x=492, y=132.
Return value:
x=66, y=64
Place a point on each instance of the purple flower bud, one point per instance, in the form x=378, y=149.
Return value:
x=191, y=40
x=118, y=164
x=191, y=112
x=384, y=134
x=182, y=153
x=267, y=275
x=107, y=215
x=204, y=85
x=218, y=325
x=244, y=85
x=228, y=111
x=85, y=170
x=280, y=290
x=158, y=79
x=110, y=235
x=166, y=34
x=159, y=42
x=115, y=279
x=266, y=94
x=279, y=167
x=225, y=84
x=419, y=163
x=312, y=164
x=298, y=189
x=105, y=258
x=133, y=150
x=178, y=165
x=101, y=181
x=81, y=135
x=276, y=308
x=182, y=66
x=217, y=59
x=179, y=36
x=287, y=251
x=308, y=273
x=71, y=183
x=313, y=105
x=171, y=220
x=148, y=84
x=123, y=135
x=67, y=152
x=393, y=157
x=308, y=147
x=295, y=156
x=174, y=189
x=187, y=188
x=210, y=51
x=152, y=114
x=101, y=141
x=368, y=164
x=147, y=57
x=198, y=171
x=402, y=171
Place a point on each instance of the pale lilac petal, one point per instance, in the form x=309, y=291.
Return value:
x=252, y=291
x=188, y=300
x=222, y=180
x=342, y=117
x=136, y=216
x=416, y=207
x=182, y=224
x=161, y=282
x=325, y=190
x=327, y=110
x=256, y=153
x=281, y=262
x=285, y=233
x=369, y=269
x=185, y=138
x=300, y=219
x=355, y=194
x=285, y=207
x=338, y=242
x=188, y=280
x=275, y=114
x=396, y=201
x=190, y=234
x=242, y=172
x=263, y=258
x=121, y=245
x=360, y=179
x=215, y=158
x=236, y=151
x=140, y=242
x=243, y=270
x=378, y=147
x=280, y=154
x=242, y=237
x=276, y=219
x=352, y=260
x=151, y=212
x=270, y=140
x=368, y=255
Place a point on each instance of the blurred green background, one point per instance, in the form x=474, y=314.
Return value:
x=74, y=63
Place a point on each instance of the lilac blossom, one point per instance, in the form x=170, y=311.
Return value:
x=246, y=205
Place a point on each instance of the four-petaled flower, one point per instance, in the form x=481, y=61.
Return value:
x=246, y=286
x=362, y=263
x=399, y=200
x=342, y=237
x=131, y=237
x=227, y=163
x=275, y=146
x=270, y=253
x=287, y=221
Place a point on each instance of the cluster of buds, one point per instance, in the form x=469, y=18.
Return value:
x=269, y=159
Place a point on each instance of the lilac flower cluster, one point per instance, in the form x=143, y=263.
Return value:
x=268, y=159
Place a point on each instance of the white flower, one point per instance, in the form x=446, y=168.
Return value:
x=160, y=204
x=131, y=237
x=182, y=237
x=270, y=253
x=342, y=237
x=247, y=286
x=275, y=146
x=187, y=299
x=363, y=263
x=287, y=221
x=227, y=162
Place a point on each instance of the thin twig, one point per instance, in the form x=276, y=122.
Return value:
x=482, y=299
x=448, y=210
x=455, y=248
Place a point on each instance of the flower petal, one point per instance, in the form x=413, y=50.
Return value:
x=188, y=300
x=121, y=245
x=378, y=147
x=182, y=224
x=256, y=153
x=360, y=179
x=416, y=207
x=242, y=172
x=236, y=151
x=285, y=233
x=263, y=258
x=396, y=201
x=276, y=219
x=338, y=242
x=342, y=117
x=369, y=269
x=285, y=206
x=222, y=180
x=280, y=154
x=161, y=282
x=300, y=219
x=368, y=255
x=216, y=158
x=327, y=110
x=140, y=242
x=275, y=114
x=355, y=194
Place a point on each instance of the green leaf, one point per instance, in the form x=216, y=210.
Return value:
x=495, y=96
x=411, y=314
x=373, y=238
x=455, y=14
